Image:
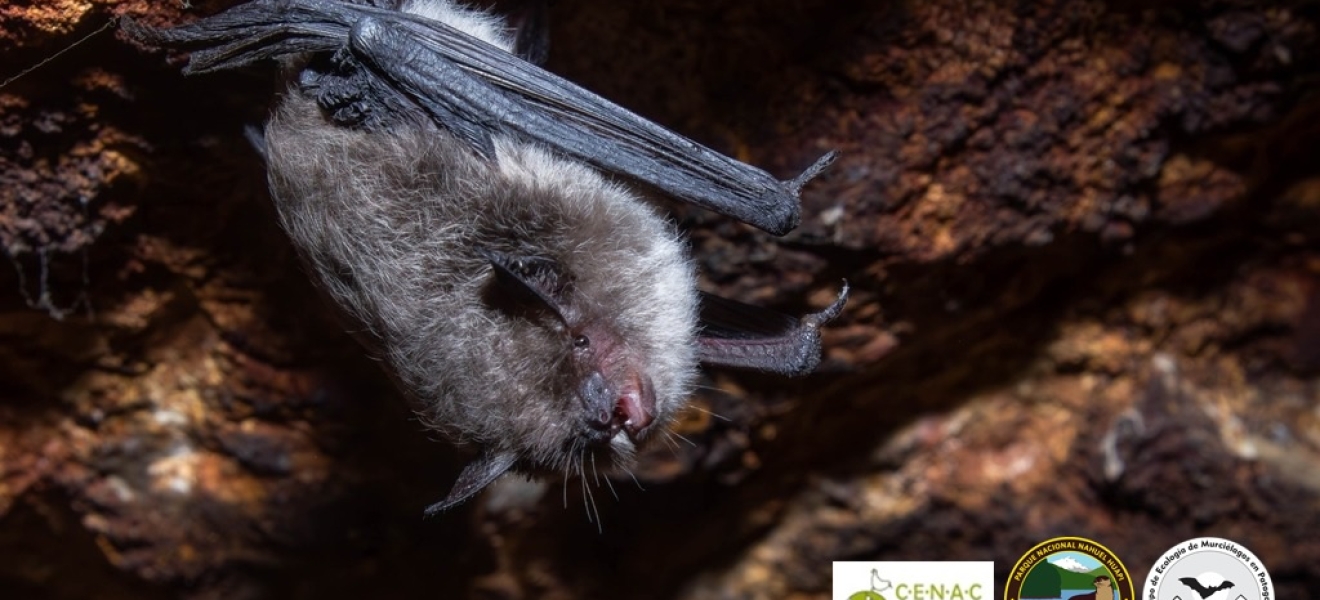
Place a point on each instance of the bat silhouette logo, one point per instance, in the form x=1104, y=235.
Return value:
x=467, y=210
x=1204, y=591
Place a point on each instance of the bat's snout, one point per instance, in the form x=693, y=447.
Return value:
x=629, y=407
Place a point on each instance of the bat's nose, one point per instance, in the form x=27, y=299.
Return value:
x=628, y=407
x=598, y=400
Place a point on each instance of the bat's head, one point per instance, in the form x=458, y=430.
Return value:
x=580, y=342
x=601, y=385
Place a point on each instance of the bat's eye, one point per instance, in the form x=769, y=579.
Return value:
x=581, y=342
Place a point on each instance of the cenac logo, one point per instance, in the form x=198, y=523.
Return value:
x=914, y=580
x=1208, y=568
x=1069, y=568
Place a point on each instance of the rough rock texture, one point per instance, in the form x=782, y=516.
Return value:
x=1082, y=238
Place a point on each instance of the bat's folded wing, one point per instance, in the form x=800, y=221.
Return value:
x=476, y=91
x=740, y=335
x=539, y=106
x=255, y=31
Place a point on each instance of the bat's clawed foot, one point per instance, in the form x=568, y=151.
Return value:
x=795, y=184
x=749, y=337
x=831, y=312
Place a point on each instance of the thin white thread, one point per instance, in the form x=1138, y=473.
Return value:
x=56, y=55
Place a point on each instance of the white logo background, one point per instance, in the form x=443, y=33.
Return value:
x=913, y=580
x=1219, y=569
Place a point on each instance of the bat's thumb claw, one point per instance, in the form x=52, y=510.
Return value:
x=474, y=478
x=795, y=184
x=831, y=312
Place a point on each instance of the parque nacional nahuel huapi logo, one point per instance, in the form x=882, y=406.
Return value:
x=914, y=580
x=1067, y=568
x=1208, y=568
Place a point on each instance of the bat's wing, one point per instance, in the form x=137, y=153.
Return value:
x=388, y=65
x=475, y=477
x=734, y=334
x=1196, y=586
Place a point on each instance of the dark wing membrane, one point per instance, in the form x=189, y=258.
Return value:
x=727, y=319
x=256, y=31
x=501, y=94
x=543, y=107
x=475, y=477
x=740, y=335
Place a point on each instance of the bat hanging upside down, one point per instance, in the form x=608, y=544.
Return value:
x=468, y=211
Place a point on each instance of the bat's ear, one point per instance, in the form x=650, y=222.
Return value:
x=740, y=335
x=474, y=478
x=528, y=282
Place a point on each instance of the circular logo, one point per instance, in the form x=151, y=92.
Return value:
x=1067, y=568
x=1208, y=568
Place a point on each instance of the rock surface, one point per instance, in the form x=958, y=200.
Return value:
x=1082, y=238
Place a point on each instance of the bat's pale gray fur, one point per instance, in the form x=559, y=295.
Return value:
x=480, y=24
x=532, y=307
x=395, y=225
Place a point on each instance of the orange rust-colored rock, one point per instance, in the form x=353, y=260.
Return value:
x=1082, y=239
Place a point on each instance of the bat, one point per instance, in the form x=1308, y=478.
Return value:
x=1203, y=591
x=478, y=219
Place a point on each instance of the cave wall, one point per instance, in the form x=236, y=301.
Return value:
x=1082, y=239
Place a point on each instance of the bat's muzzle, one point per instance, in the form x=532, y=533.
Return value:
x=628, y=407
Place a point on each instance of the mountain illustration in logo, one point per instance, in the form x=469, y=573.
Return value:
x=1061, y=572
x=1071, y=564
x=1071, y=568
